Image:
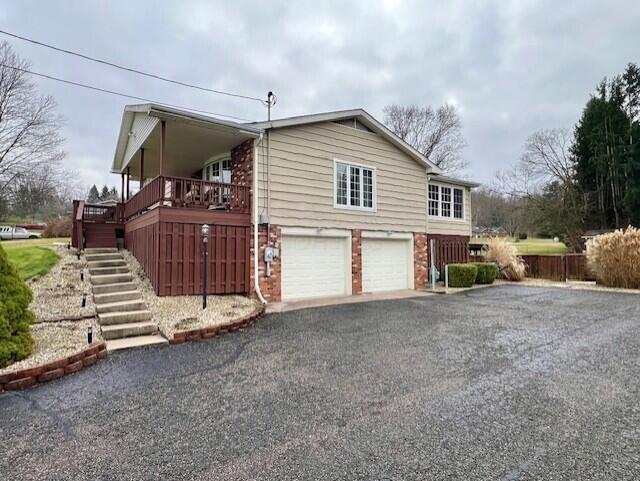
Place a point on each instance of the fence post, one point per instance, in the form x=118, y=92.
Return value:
x=564, y=268
x=446, y=279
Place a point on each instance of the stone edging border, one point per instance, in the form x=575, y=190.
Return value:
x=14, y=381
x=208, y=332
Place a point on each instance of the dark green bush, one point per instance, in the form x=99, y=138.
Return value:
x=487, y=272
x=462, y=275
x=15, y=337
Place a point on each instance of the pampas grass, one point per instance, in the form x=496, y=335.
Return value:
x=614, y=259
x=505, y=255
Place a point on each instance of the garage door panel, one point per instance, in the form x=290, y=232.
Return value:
x=313, y=267
x=385, y=264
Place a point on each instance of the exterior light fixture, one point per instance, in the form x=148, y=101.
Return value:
x=89, y=335
x=205, y=251
x=84, y=300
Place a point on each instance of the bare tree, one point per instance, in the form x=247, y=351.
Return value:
x=436, y=134
x=543, y=182
x=546, y=157
x=29, y=125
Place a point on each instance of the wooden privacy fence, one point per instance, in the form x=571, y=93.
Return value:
x=450, y=250
x=554, y=267
x=558, y=267
x=171, y=255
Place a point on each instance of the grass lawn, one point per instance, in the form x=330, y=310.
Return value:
x=30, y=260
x=7, y=245
x=539, y=246
x=534, y=245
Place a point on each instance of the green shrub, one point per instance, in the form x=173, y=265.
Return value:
x=487, y=272
x=462, y=275
x=15, y=337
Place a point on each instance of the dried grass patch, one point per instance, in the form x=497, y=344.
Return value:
x=614, y=259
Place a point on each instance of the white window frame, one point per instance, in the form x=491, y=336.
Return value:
x=451, y=217
x=374, y=190
x=217, y=160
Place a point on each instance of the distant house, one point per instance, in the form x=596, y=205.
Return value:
x=335, y=202
x=590, y=234
x=490, y=232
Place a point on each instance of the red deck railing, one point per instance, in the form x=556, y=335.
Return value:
x=184, y=192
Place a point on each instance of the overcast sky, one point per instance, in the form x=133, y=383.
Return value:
x=509, y=67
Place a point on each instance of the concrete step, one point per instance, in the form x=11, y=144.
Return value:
x=115, y=287
x=101, y=250
x=110, y=278
x=108, y=263
x=109, y=297
x=108, y=270
x=121, y=306
x=112, y=256
x=130, y=329
x=138, y=341
x=123, y=317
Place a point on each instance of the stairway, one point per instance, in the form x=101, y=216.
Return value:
x=123, y=316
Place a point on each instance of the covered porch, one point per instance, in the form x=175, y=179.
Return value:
x=182, y=160
x=187, y=170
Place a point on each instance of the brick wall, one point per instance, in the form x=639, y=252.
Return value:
x=269, y=286
x=242, y=164
x=356, y=262
x=420, y=260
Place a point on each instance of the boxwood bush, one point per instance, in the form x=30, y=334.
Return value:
x=487, y=272
x=15, y=337
x=462, y=275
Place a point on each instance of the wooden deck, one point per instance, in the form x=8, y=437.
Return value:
x=161, y=226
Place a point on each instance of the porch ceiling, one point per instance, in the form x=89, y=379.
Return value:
x=190, y=140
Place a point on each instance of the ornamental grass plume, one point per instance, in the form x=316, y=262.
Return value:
x=511, y=266
x=614, y=259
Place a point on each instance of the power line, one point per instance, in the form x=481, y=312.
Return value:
x=129, y=69
x=120, y=94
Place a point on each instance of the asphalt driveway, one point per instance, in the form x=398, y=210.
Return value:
x=501, y=383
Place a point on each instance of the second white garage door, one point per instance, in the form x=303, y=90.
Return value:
x=385, y=264
x=314, y=266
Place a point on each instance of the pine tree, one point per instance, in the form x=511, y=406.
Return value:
x=94, y=195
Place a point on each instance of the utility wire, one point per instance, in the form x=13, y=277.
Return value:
x=129, y=69
x=121, y=94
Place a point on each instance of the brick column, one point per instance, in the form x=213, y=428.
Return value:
x=420, y=260
x=356, y=262
x=269, y=286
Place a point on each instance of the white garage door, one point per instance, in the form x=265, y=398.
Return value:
x=314, y=267
x=385, y=264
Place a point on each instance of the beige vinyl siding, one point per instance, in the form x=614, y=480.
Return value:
x=302, y=179
x=451, y=226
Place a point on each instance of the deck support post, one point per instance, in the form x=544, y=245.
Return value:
x=141, y=168
x=163, y=153
x=128, y=177
x=122, y=187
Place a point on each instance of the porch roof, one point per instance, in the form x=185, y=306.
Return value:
x=190, y=140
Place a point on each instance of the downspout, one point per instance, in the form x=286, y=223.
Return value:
x=256, y=247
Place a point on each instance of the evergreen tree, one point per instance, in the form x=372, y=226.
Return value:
x=94, y=195
x=104, y=194
x=15, y=297
x=606, y=154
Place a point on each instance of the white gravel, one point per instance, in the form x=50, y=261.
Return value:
x=181, y=313
x=58, y=294
x=54, y=340
x=576, y=285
